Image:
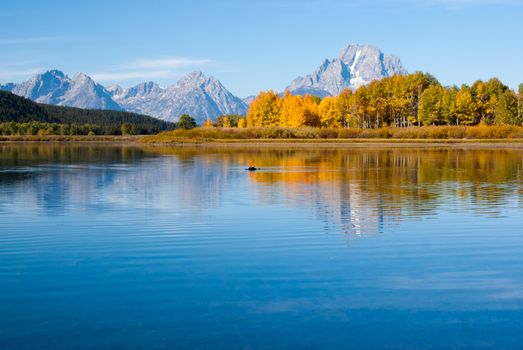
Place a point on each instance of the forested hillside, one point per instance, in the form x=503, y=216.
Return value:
x=19, y=115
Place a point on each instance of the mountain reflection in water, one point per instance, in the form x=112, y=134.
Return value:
x=351, y=191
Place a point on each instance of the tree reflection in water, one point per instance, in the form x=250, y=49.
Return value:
x=350, y=190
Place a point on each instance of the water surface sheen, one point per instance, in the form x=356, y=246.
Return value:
x=136, y=248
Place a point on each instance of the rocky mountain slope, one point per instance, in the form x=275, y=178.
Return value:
x=355, y=66
x=195, y=94
x=56, y=88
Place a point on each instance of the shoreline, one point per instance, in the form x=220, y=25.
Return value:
x=54, y=139
x=267, y=143
x=352, y=144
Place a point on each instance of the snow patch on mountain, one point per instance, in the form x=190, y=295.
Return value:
x=195, y=94
x=55, y=88
x=355, y=66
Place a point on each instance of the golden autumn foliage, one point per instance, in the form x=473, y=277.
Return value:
x=242, y=123
x=265, y=110
x=292, y=111
x=207, y=123
x=431, y=133
x=226, y=123
x=291, y=105
x=309, y=113
x=330, y=116
x=400, y=101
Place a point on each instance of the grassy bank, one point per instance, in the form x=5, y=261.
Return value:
x=304, y=136
x=413, y=134
x=70, y=138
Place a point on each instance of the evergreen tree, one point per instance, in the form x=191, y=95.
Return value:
x=73, y=121
x=186, y=122
x=127, y=129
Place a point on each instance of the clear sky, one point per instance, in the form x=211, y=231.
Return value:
x=256, y=45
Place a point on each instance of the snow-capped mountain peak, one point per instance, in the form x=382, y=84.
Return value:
x=84, y=92
x=355, y=66
x=114, y=90
x=55, y=87
x=194, y=79
x=196, y=76
x=143, y=90
x=195, y=94
x=46, y=87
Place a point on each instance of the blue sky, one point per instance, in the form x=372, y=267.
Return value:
x=257, y=45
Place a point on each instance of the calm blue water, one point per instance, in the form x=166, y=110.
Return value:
x=129, y=248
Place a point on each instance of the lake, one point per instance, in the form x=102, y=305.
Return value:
x=122, y=247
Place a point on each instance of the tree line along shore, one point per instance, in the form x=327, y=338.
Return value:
x=414, y=106
x=400, y=101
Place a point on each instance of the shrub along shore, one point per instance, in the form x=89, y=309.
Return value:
x=306, y=135
x=433, y=133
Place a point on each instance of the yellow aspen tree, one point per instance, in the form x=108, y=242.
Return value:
x=226, y=122
x=265, y=110
x=464, y=106
x=242, y=123
x=310, y=112
x=291, y=111
x=329, y=116
x=345, y=107
x=207, y=123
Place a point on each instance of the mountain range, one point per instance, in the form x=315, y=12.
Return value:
x=55, y=88
x=198, y=95
x=195, y=94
